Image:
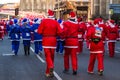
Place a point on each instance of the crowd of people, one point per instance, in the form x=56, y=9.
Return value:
x=67, y=37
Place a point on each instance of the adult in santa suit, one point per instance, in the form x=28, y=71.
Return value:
x=15, y=36
x=95, y=35
x=1, y=31
x=103, y=25
x=71, y=29
x=81, y=33
x=49, y=28
x=112, y=36
x=89, y=25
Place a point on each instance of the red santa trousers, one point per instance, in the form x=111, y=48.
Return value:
x=111, y=47
x=49, y=56
x=70, y=52
x=100, y=58
x=80, y=46
x=1, y=34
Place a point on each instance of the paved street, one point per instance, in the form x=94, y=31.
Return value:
x=33, y=67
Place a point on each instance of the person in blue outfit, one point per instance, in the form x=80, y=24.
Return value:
x=60, y=42
x=37, y=37
x=15, y=36
x=26, y=35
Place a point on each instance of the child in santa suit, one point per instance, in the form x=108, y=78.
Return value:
x=95, y=36
x=112, y=36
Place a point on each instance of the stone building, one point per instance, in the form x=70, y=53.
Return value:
x=63, y=7
x=36, y=5
x=87, y=8
x=102, y=7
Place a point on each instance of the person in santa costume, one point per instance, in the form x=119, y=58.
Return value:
x=103, y=25
x=50, y=29
x=89, y=25
x=71, y=29
x=15, y=36
x=37, y=37
x=81, y=34
x=95, y=36
x=26, y=36
x=112, y=36
x=1, y=31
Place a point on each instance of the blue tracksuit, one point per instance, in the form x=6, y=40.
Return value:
x=37, y=38
x=59, y=42
x=15, y=37
x=26, y=34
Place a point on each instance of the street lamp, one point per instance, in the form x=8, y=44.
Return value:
x=32, y=5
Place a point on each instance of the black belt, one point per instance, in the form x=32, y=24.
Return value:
x=72, y=37
x=49, y=35
x=112, y=32
x=96, y=40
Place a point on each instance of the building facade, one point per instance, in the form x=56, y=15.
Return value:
x=88, y=9
x=36, y=5
x=63, y=7
x=102, y=7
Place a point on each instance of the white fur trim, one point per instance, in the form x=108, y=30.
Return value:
x=96, y=51
x=96, y=25
x=73, y=22
x=71, y=46
x=111, y=41
x=38, y=21
x=1, y=31
x=49, y=47
x=36, y=30
x=37, y=40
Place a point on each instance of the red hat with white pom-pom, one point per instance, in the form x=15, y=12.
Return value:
x=50, y=13
x=72, y=15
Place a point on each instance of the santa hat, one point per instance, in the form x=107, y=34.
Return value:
x=38, y=21
x=35, y=19
x=10, y=22
x=25, y=20
x=60, y=21
x=72, y=15
x=15, y=21
x=96, y=21
x=79, y=19
x=50, y=13
x=112, y=21
x=88, y=24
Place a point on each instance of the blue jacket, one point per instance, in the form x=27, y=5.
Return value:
x=37, y=37
x=15, y=32
x=26, y=32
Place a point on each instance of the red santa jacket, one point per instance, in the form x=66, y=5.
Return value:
x=82, y=30
x=112, y=33
x=104, y=31
x=95, y=36
x=71, y=29
x=49, y=28
x=1, y=29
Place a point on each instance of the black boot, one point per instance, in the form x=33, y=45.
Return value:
x=51, y=72
x=66, y=71
x=100, y=72
x=74, y=72
x=28, y=47
x=25, y=50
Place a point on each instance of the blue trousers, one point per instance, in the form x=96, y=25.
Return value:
x=38, y=46
x=60, y=46
x=15, y=46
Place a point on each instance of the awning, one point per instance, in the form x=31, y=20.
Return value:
x=82, y=8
